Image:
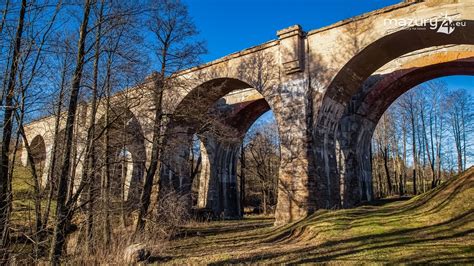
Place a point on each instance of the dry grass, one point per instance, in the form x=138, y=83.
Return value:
x=436, y=227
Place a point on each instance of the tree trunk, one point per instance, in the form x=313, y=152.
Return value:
x=63, y=212
x=387, y=172
x=438, y=153
x=4, y=15
x=432, y=143
x=5, y=193
x=428, y=150
x=421, y=162
x=463, y=121
x=105, y=184
x=155, y=153
x=2, y=24
x=413, y=128
x=404, y=157
x=89, y=167
x=51, y=172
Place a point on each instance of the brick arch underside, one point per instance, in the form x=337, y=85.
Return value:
x=189, y=118
x=342, y=91
x=218, y=186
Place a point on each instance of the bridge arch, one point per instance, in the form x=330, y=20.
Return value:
x=191, y=117
x=38, y=153
x=218, y=186
x=355, y=77
x=353, y=74
x=361, y=118
x=126, y=149
x=392, y=85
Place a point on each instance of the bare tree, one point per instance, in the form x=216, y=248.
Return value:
x=460, y=115
x=51, y=177
x=176, y=49
x=409, y=105
x=5, y=193
x=422, y=113
x=63, y=207
x=262, y=165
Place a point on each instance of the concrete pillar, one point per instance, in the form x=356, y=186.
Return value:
x=228, y=155
x=355, y=136
x=46, y=166
x=296, y=195
x=176, y=168
x=355, y=131
x=324, y=147
x=78, y=166
x=208, y=196
x=24, y=156
x=127, y=172
x=204, y=177
x=218, y=178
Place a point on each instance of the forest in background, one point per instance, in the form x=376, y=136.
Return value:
x=422, y=140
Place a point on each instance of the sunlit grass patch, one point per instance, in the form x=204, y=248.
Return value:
x=437, y=226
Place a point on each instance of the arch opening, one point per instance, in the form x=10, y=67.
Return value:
x=332, y=177
x=220, y=129
x=421, y=139
x=38, y=152
x=259, y=166
x=359, y=120
x=120, y=155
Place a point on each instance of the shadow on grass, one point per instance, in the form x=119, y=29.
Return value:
x=396, y=230
x=381, y=202
x=226, y=227
x=344, y=248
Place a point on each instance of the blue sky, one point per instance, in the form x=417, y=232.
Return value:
x=459, y=82
x=232, y=25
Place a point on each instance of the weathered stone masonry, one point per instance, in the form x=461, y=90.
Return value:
x=327, y=88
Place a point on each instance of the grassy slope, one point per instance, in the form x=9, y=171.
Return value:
x=437, y=226
x=23, y=199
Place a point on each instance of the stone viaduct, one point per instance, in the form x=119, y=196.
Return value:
x=326, y=87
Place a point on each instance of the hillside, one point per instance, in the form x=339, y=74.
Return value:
x=436, y=227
